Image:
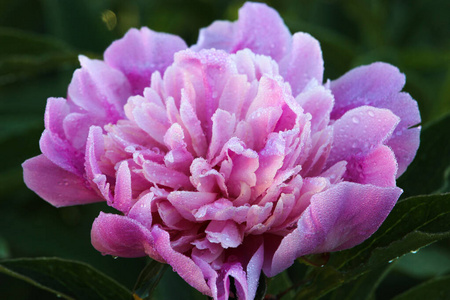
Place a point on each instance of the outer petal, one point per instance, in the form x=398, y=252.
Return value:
x=140, y=53
x=359, y=131
x=303, y=63
x=259, y=28
x=379, y=85
x=338, y=218
x=120, y=236
x=56, y=185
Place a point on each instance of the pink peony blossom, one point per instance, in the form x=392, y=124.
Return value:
x=230, y=157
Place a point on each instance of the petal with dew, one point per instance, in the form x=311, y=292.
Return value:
x=140, y=53
x=56, y=185
x=338, y=218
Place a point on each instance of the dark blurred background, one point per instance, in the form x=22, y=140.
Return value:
x=39, y=44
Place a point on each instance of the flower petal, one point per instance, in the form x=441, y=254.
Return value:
x=303, y=63
x=140, y=53
x=259, y=28
x=338, y=218
x=121, y=236
x=56, y=185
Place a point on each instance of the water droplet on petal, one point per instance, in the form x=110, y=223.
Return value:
x=370, y=113
x=355, y=120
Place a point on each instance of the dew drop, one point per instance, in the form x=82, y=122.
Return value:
x=370, y=113
x=115, y=257
x=414, y=251
x=355, y=120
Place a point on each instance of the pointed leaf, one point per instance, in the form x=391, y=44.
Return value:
x=148, y=280
x=65, y=278
x=438, y=288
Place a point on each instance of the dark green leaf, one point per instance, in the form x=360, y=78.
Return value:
x=426, y=174
x=362, y=288
x=68, y=279
x=429, y=262
x=413, y=223
x=149, y=279
x=436, y=289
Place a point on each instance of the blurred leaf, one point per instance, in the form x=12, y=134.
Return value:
x=148, y=280
x=427, y=263
x=362, y=288
x=413, y=223
x=79, y=23
x=172, y=286
x=426, y=174
x=436, y=289
x=24, y=54
x=68, y=279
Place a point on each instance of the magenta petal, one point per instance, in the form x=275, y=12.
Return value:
x=140, y=53
x=259, y=28
x=181, y=264
x=303, y=63
x=56, y=185
x=379, y=85
x=120, y=236
x=338, y=218
x=366, y=85
x=404, y=141
x=359, y=131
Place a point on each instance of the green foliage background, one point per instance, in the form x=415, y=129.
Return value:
x=39, y=44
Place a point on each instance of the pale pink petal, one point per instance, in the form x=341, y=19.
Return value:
x=122, y=191
x=99, y=89
x=185, y=202
x=317, y=101
x=227, y=233
x=162, y=175
x=56, y=111
x=61, y=153
x=303, y=63
x=140, y=53
x=56, y=185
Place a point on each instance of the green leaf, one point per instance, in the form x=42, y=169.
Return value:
x=429, y=262
x=413, y=223
x=148, y=280
x=65, y=278
x=426, y=174
x=25, y=54
x=362, y=288
x=436, y=289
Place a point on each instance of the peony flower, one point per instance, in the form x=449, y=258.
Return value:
x=228, y=158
